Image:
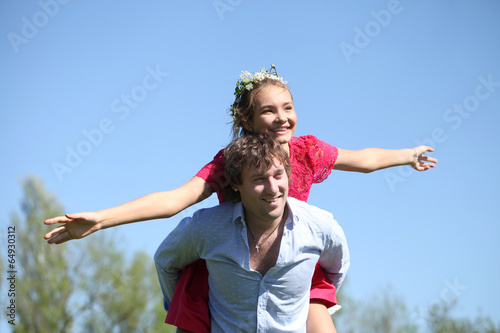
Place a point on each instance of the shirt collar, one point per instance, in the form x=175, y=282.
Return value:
x=238, y=212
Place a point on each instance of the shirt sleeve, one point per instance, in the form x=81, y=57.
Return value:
x=213, y=173
x=323, y=157
x=334, y=259
x=173, y=255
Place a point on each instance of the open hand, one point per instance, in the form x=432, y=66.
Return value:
x=74, y=226
x=423, y=162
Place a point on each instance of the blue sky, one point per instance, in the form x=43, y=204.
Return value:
x=109, y=101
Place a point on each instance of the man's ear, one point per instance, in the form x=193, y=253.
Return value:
x=234, y=186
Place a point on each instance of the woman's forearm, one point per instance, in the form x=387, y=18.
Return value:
x=155, y=205
x=377, y=159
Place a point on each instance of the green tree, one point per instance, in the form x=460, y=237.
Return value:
x=127, y=296
x=439, y=320
x=387, y=312
x=84, y=286
x=383, y=312
x=44, y=285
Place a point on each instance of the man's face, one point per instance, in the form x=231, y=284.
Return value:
x=264, y=195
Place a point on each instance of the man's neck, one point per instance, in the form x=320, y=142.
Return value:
x=262, y=226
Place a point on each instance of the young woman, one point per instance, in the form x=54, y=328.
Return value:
x=263, y=103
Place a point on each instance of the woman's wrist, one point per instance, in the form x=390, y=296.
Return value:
x=413, y=158
x=102, y=220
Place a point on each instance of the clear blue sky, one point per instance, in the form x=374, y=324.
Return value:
x=139, y=91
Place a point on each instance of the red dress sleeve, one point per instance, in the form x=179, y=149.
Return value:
x=322, y=156
x=312, y=162
x=213, y=173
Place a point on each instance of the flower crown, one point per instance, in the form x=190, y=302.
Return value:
x=247, y=80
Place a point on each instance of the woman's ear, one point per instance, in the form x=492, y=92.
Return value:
x=247, y=125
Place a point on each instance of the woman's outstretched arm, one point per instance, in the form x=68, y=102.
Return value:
x=152, y=206
x=372, y=159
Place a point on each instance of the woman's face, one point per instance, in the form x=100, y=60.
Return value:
x=274, y=113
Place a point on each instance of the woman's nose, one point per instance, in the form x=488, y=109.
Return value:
x=280, y=117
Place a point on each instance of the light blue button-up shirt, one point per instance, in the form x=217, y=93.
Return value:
x=240, y=298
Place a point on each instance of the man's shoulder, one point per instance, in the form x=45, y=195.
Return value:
x=316, y=220
x=304, y=210
x=220, y=209
x=213, y=217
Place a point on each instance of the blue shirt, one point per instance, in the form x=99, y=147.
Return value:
x=240, y=298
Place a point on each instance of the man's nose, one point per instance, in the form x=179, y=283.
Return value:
x=272, y=186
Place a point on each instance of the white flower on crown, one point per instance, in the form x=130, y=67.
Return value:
x=245, y=75
x=247, y=81
x=259, y=76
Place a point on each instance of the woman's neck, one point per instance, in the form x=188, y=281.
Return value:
x=286, y=147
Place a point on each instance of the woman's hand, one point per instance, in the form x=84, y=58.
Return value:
x=74, y=226
x=421, y=162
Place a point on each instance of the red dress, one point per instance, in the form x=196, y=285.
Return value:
x=312, y=161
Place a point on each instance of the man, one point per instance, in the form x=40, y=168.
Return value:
x=260, y=251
